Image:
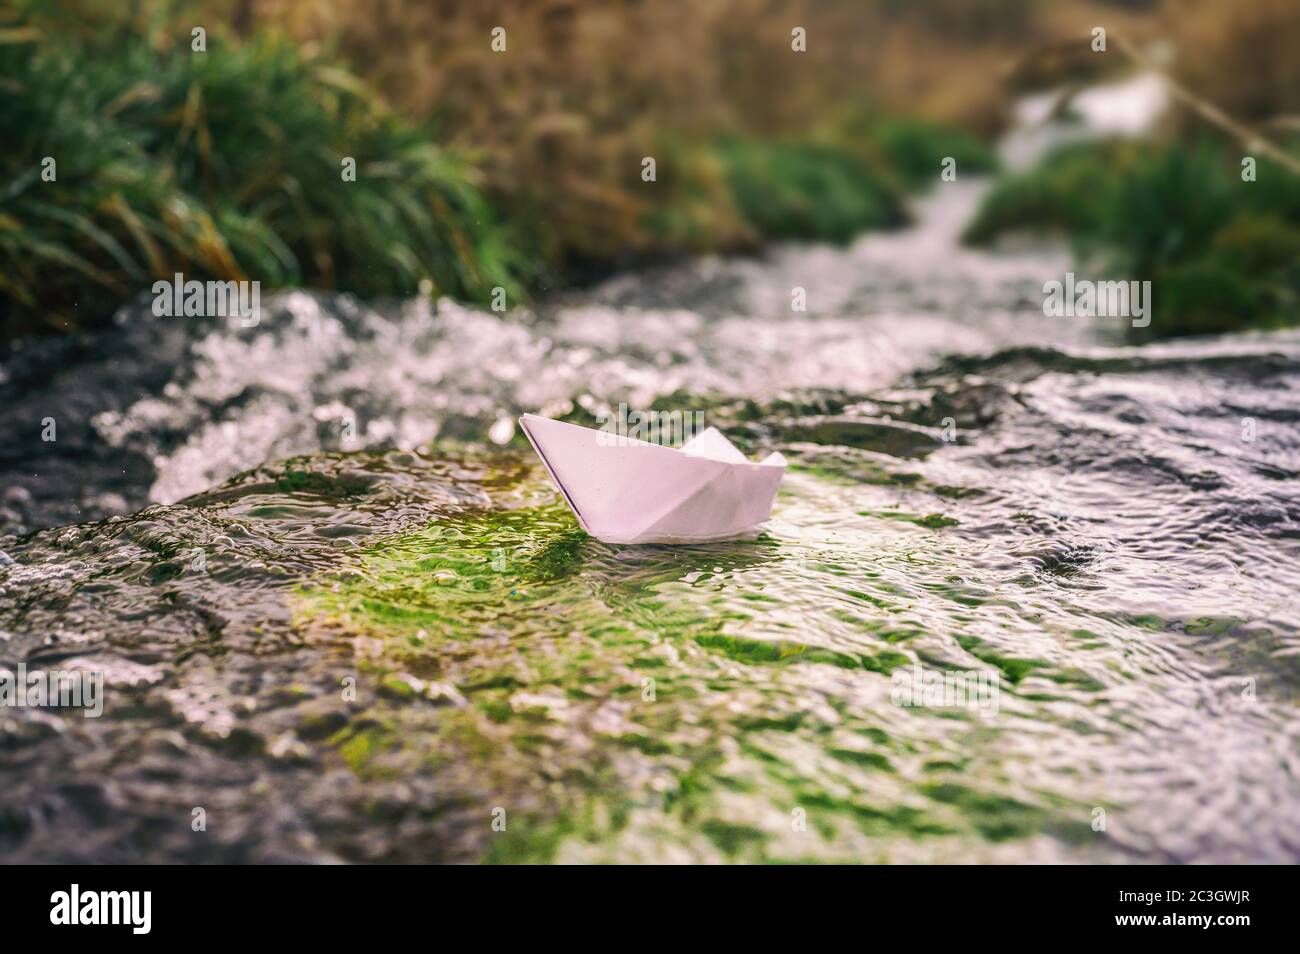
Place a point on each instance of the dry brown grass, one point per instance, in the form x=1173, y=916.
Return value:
x=685, y=64
x=588, y=87
x=1243, y=56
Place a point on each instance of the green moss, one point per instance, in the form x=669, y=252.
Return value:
x=361, y=745
x=871, y=760
x=996, y=817
x=333, y=487
x=931, y=521
x=398, y=689
x=321, y=724
x=885, y=662
x=636, y=693
x=876, y=820
x=731, y=838
x=1076, y=677
x=1015, y=669
x=851, y=472
x=936, y=521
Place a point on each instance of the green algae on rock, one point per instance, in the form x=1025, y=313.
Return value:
x=626, y=701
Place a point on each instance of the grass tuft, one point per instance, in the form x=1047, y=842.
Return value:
x=1220, y=252
x=225, y=165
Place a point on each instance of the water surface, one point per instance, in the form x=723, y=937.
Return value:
x=393, y=633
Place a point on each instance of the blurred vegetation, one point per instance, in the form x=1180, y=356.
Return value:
x=523, y=169
x=1245, y=56
x=223, y=165
x=799, y=190
x=227, y=163
x=710, y=88
x=1221, y=253
x=910, y=148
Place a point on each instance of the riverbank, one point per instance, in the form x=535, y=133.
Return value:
x=134, y=156
x=261, y=146
x=1215, y=231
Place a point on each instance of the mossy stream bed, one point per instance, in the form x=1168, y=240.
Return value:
x=407, y=650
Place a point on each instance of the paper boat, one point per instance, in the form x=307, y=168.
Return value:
x=631, y=491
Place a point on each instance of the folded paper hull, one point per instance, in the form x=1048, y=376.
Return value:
x=629, y=491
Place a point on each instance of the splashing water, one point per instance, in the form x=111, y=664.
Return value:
x=393, y=642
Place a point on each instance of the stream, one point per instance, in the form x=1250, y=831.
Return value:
x=341, y=614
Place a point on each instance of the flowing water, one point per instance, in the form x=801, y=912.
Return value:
x=339, y=608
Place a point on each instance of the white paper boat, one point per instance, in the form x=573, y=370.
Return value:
x=631, y=491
